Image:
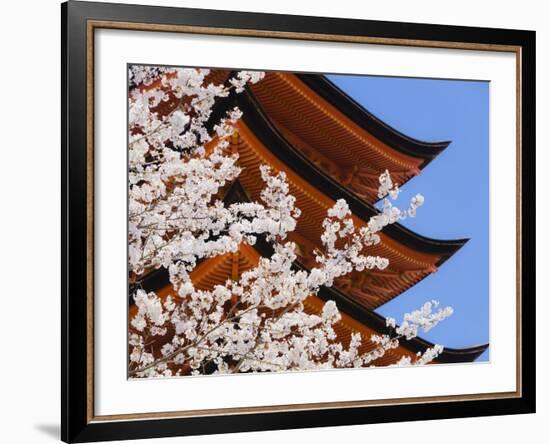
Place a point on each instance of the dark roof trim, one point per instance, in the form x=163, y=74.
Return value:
x=150, y=281
x=259, y=123
x=324, y=88
x=378, y=323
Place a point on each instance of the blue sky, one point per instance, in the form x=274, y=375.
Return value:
x=456, y=190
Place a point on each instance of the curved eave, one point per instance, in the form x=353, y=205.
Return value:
x=255, y=119
x=378, y=323
x=369, y=122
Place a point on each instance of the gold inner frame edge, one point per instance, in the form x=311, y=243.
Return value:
x=96, y=24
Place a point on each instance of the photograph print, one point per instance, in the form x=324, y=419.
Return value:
x=287, y=221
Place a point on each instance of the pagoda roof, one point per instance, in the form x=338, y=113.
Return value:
x=342, y=102
x=412, y=257
x=377, y=322
x=355, y=318
x=339, y=135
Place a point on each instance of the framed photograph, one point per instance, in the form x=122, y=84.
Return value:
x=276, y=221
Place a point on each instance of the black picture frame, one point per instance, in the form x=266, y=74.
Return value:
x=77, y=425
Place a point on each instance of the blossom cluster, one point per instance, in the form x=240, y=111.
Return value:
x=178, y=166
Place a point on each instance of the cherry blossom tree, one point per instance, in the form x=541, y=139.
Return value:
x=178, y=164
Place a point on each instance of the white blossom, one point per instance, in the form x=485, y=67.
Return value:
x=258, y=322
